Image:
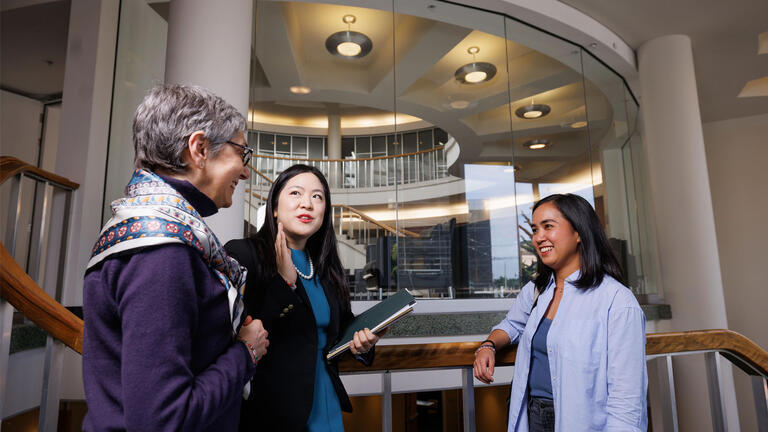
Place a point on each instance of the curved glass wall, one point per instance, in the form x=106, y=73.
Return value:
x=438, y=127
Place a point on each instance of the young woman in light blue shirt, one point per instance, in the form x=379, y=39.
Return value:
x=580, y=332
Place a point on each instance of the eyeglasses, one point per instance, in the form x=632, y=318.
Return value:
x=247, y=151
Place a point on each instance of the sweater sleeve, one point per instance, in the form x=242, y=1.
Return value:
x=158, y=304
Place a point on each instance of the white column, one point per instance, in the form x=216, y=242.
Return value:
x=334, y=136
x=209, y=46
x=333, y=143
x=682, y=211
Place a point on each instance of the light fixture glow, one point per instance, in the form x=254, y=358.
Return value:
x=533, y=111
x=349, y=19
x=578, y=124
x=300, y=90
x=475, y=77
x=536, y=144
x=459, y=104
x=348, y=49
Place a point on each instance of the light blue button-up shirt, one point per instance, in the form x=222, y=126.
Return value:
x=596, y=349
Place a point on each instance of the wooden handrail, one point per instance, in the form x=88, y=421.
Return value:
x=28, y=298
x=367, y=218
x=433, y=149
x=737, y=348
x=261, y=174
x=10, y=166
x=403, y=231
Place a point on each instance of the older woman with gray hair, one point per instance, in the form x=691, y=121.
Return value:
x=167, y=345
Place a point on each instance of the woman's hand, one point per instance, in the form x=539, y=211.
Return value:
x=283, y=256
x=485, y=359
x=364, y=340
x=254, y=334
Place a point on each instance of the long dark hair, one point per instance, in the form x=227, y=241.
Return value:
x=321, y=246
x=595, y=253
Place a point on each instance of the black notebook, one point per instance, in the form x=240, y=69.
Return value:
x=376, y=318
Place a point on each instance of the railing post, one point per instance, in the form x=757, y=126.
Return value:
x=6, y=310
x=468, y=398
x=661, y=376
x=49, y=401
x=716, y=403
x=760, y=392
x=386, y=401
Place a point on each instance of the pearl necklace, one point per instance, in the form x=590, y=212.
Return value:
x=311, y=269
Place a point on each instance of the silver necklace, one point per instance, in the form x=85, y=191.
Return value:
x=311, y=269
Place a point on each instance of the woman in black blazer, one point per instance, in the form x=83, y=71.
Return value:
x=296, y=286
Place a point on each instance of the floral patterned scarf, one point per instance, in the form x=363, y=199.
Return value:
x=154, y=213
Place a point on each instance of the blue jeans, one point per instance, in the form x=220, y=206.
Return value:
x=541, y=415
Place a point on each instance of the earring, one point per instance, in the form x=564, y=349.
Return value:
x=202, y=164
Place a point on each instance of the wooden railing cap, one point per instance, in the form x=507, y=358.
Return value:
x=10, y=166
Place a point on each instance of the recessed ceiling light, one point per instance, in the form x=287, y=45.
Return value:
x=578, y=124
x=513, y=168
x=300, y=90
x=349, y=19
x=532, y=111
x=536, y=144
x=459, y=104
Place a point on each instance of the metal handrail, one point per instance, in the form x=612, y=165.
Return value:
x=402, y=231
x=402, y=155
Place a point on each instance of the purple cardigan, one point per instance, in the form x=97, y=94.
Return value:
x=158, y=352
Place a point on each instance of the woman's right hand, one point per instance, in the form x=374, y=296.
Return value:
x=254, y=334
x=485, y=359
x=283, y=257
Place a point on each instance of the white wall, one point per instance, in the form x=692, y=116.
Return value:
x=20, y=128
x=737, y=161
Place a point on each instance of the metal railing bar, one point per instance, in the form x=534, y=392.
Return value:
x=716, y=402
x=760, y=394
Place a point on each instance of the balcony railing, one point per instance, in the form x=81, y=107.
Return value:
x=31, y=227
x=373, y=172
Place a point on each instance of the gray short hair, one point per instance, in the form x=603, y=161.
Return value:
x=170, y=114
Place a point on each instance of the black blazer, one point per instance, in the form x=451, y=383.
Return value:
x=282, y=388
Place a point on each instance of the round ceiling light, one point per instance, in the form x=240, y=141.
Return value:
x=533, y=111
x=459, y=104
x=475, y=73
x=578, y=124
x=348, y=43
x=300, y=90
x=536, y=144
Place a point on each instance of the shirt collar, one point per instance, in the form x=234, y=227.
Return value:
x=200, y=201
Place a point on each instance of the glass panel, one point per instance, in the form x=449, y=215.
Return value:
x=299, y=147
x=316, y=148
x=514, y=116
x=552, y=152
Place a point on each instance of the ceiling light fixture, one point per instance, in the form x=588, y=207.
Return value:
x=475, y=72
x=578, y=124
x=459, y=104
x=532, y=111
x=536, y=144
x=300, y=90
x=348, y=43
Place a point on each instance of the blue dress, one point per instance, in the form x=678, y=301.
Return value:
x=326, y=410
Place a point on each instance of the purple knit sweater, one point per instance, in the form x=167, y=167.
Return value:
x=158, y=352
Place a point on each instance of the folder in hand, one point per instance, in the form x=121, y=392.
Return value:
x=376, y=319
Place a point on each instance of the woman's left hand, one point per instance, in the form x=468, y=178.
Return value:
x=363, y=341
